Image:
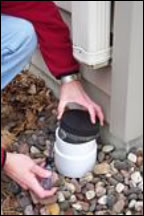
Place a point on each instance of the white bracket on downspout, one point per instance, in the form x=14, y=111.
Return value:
x=91, y=32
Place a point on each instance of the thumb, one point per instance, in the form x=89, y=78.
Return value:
x=40, y=172
x=61, y=109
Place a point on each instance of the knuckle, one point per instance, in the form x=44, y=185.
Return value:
x=91, y=107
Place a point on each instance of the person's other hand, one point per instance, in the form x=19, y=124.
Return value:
x=25, y=172
x=73, y=92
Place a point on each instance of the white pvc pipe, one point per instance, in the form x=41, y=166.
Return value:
x=74, y=160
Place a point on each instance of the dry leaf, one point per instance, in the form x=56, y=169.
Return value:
x=23, y=108
x=30, y=120
x=7, y=139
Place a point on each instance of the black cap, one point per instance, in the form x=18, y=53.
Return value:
x=77, y=122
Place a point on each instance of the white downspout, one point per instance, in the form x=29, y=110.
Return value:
x=91, y=32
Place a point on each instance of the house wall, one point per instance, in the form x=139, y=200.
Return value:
x=119, y=87
x=127, y=76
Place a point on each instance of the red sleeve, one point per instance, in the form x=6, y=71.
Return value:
x=3, y=157
x=52, y=32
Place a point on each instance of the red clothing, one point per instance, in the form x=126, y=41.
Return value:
x=2, y=157
x=52, y=32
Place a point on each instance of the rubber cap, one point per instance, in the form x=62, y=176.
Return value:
x=77, y=122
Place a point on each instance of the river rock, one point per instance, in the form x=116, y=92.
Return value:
x=70, y=187
x=44, y=211
x=61, y=197
x=100, y=191
x=77, y=185
x=23, y=200
x=89, y=186
x=87, y=178
x=101, y=157
x=102, y=169
x=93, y=206
x=34, y=151
x=67, y=195
x=122, y=165
x=139, y=206
x=119, y=206
x=48, y=201
x=73, y=199
x=120, y=188
x=69, y=212
x=139, y=161
x=65, y=205
x=132, y=204
x=108, y=148
x=111, y=200
x=132, y=197
x=113, y=181
x=54, y=209
x=119, y=177
x=90, y=195
x=140, y=186
x=29, y=210
x=14, y=188
x=129, y=213
x=132, y=158
x=119, y=155
x=77, y=206
x=103, y=200
x=136, y=177
x=85, y=206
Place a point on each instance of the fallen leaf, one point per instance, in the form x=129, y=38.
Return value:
x=7, y=139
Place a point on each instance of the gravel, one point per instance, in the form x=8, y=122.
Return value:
x=65, y=206
x=29, y=210
x=113, y=187
x=77, y=206
x=111, y=200
x=119, y=206
x=102, y=169
x=107, y=190
x=73, y=199
x=120, y=188
x=14, y=188
x=103, y=200
x=61, y=197
x=98, y=193
x=122, y=165
x=119, y=155
x=119, y=177
x=70, y=187
x=88, y=178
x=132, y=158
x=108, y=149
x=101, y=157
x=24, y=200
x=139, y=206
x=90, y=195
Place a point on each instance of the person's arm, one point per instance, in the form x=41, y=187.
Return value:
x=56, y=48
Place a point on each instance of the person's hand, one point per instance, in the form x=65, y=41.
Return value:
x=73, y=92
x=25, y=172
